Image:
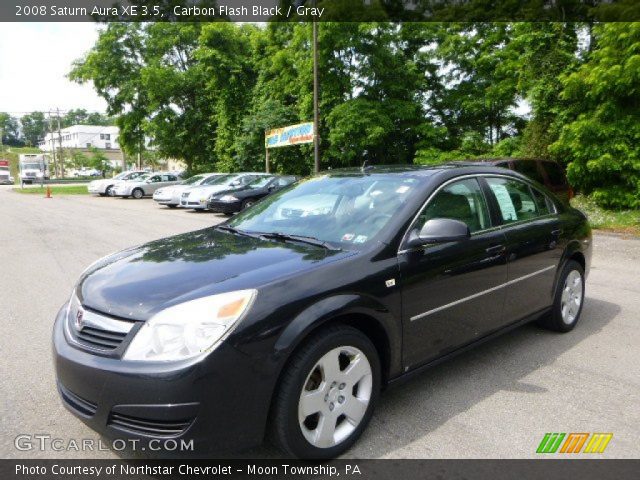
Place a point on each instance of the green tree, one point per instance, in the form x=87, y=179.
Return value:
x=600, y=136
x=10, y=130
x=99, y=161
x=34, y=128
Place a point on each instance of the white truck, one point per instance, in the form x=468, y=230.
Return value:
x=34, y=168
x=5, y=175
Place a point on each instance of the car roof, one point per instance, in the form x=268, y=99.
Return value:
x=496, y=160
x=457, y=168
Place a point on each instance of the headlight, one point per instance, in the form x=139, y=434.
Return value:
x=191, y=328
x=228, y=198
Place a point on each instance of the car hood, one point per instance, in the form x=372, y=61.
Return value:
x=207, y=189
x=141, y=281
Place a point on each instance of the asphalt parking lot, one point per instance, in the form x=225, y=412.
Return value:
x=496, y=401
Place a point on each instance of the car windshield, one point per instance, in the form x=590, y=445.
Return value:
x=260, y=182
x=134, y=175
x=141, y=178
x=34, y=166
x=348, y=210
x=217, y=179
x=192, y=180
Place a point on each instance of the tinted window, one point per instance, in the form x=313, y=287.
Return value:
x=462, y=201
x=155, y=178
x=528, y=168
x=555, y=173
x=514, y=199
x=544, y=203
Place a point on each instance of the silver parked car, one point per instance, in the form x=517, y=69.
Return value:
x=104, y=187
x=170, y=196
x=198, y=197
x=145, y=185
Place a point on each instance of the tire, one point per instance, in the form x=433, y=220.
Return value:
x=172, y=206
x=102, y=194
x=247, y=203
x=303, y=436
x=107, y=192
x=568, y=299
x=137, y=193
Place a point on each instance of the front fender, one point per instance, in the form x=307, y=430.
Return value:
x=343, y=305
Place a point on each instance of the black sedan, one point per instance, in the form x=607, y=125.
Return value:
x=293, y=315
x=233, y=201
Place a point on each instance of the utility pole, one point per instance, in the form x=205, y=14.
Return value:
x=60, y=156
x=53, y=147
x=316, y=86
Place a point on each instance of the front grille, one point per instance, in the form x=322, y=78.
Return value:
x=148, y=427
x=77, y=403
x=99, y=338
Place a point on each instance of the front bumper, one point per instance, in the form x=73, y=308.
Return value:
x=225, y=207
x=195, y=204
x=220, y=402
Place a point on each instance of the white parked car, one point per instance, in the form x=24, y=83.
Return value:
x=197, y=197
x=145, y=185
x=170, y=196
x=104, y=187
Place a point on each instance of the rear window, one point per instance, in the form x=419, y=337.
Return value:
x=528, y=168
x=555, y=173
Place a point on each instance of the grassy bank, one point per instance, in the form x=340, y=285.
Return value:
x=55, y=190
x=620, y=221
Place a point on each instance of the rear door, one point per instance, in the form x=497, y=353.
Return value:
x=532, y=232
x=451, y=292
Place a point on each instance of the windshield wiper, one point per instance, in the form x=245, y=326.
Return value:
x=226, y=228
x=298, y=238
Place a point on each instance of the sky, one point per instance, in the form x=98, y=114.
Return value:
x=34, y=61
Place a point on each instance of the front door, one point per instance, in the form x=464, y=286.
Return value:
x=452, y=292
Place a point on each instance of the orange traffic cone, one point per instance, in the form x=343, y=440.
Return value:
x=48, y=192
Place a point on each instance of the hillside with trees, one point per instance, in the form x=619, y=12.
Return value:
x=402, y=93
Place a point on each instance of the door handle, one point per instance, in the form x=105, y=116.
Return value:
x=556, y=232
x=495, y=249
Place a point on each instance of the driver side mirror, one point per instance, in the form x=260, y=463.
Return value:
x=439, y=230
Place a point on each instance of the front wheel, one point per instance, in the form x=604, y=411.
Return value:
x=568, y=299
x=327, y=394
x=108, y=192
x=137, y=193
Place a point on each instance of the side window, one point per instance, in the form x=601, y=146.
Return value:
x=155, y=178
x=462, y=200
x=544, y=203
x=514, y=199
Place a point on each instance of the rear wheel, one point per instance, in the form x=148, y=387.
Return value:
x=137, y=193
x=327, y=394
x=568, y=299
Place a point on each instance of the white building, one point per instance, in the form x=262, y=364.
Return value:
x=82, y=137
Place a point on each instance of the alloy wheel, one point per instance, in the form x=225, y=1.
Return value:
x=571, y=297
x=335, y=396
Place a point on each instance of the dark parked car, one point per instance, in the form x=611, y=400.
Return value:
x=547, y=172
x=292, y=315
x=237, y=199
